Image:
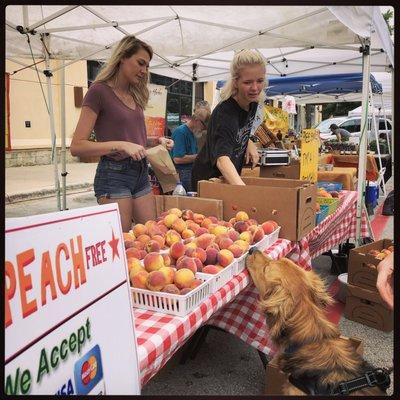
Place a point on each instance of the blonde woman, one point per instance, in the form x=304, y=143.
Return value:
x=228, y=145
x=113, y=109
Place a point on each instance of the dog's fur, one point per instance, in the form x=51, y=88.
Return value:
x=294, y=302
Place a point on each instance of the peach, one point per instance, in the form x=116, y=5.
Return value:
x=150, y=223
x=132, y=252
x=197, y=253
x=162, y=227
x=143, y=254
x=214, y=219
x=205, y=240
x=187, y=215
x=218, y=230
x=243, y=244
x=391, y=248
x=139, y=229
x=185, y=290
x=236, y=250
x=386, y=251
x=247, y=236
x=258, y=235
x=214, y=246
x=211, y=228
x=196, y=283
x=234, y=235
x=170, y=288
x=156, y=281
x=169, y=273
x=373, y=252
x=225, y=242
x=164, y=214
x=269, y=226
x=241, y=226
x=206, y=223
x=177, y=250
x=153, y=262
x=199, y=264
x=144, y=238
x=242, y=216
x=227, y=224
x=192, y=226
x=252, y=229
x=175, y=211
x=154, y=230
x=129, y=243
x=128, y=236
x=380, y=256
x=186, y=263
x=160, y=239
x=232, y=221
x=187, y=234
x=211, y=269
x=152, y=246
x=134, y=265
x=138, y=244
x=139, y=279
x=252, y=221
x=189, y=251
x=184, y=278
x=167, y=259
x=170, y=219
x=172, y=237
x=212, y=256
x=191, y=245
x=179, y=225
x=198, y=218
x=200, y=231
x=225, y=257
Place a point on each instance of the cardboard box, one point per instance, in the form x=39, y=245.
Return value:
x=275, y=378
x=291, y=171
x=289, y=202
x=203, y=206
x=367, y=308
x=362, y=266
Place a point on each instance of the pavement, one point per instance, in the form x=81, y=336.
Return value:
x=224, y=365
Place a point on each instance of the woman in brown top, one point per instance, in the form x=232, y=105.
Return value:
x=113, y=109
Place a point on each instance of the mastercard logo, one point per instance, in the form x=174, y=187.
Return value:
x=89, y=370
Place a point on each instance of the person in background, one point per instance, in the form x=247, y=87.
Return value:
x=384, y=282
x=201, y=136
x=113, y=108
x=185, y=145
x=228, y=145
x=341, y=134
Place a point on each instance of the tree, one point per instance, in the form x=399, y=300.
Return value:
x=387, y=16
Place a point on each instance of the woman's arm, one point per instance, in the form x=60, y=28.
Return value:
x=252, y=154
x=186, y=159
x=228, y=170
x=82, y=146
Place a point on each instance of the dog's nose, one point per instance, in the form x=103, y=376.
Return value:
x=253, y=249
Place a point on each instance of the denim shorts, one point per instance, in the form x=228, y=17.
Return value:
x=120, y=179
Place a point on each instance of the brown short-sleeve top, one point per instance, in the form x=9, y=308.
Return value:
x=115, y=120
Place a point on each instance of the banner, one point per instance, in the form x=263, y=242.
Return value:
x=309, y=155
x=155, y=111
x=68, y=316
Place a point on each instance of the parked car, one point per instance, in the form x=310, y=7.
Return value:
x=353, y=125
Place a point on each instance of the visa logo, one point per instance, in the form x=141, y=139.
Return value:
x=66, y=389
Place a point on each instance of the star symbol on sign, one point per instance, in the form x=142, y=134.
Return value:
x=114, y=245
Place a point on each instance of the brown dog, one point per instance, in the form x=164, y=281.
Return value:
x=312, y=352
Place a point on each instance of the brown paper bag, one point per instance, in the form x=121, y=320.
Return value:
x=163, y=167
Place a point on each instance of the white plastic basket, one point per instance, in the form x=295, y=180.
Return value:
x=273, y=237
x=240, y=263
x=174, y=304
x=223, y=276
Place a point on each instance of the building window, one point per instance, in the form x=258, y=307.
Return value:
x=93, y=68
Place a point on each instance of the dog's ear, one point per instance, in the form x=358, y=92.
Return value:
x=318, y=291
x=277, y=301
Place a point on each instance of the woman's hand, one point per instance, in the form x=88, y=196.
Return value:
x=166, y=142
x=384, y=282
x=135, y=151
x=252, y=154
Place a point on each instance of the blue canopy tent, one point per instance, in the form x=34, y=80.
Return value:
x=333, y=84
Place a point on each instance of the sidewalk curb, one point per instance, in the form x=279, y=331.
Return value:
x=38, y=194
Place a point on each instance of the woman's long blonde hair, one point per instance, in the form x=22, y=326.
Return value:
x=242, y=59
x=128, y=46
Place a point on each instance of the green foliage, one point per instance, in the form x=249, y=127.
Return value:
x=387, y=16
x=338, y=109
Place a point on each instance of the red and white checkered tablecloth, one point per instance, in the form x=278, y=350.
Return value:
x=234, y=306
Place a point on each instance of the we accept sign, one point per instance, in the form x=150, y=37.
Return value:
x=68, y=317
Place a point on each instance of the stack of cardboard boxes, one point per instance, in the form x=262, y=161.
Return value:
x=363, y=302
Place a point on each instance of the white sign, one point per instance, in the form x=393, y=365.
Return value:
x=69, y=325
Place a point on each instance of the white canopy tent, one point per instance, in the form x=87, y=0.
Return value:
x=294, y=39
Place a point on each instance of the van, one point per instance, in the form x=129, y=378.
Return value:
x=353, y=125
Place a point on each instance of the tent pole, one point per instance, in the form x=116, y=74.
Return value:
x=386, y=127
x=63, y=147
x=194, y=79
x=362, y=160
x=373, y=118
x=48, y=73
x=393, y=122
